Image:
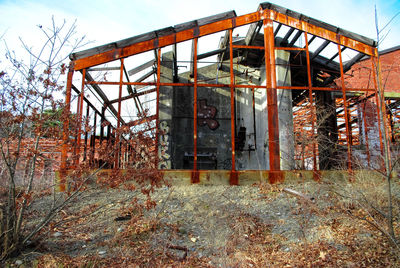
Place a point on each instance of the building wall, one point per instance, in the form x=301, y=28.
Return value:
x=360, y=75
x=214, y=118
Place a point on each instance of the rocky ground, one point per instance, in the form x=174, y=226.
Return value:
x=304, y=224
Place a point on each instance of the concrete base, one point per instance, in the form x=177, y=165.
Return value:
x=245, y=177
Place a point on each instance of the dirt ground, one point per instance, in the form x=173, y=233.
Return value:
x=217, y=226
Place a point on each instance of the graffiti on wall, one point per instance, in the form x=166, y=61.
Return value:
x=163, y=154
x=206, y=115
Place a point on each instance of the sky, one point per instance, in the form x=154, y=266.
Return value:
x=105, y=21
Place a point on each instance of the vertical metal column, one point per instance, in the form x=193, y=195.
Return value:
x=157, y=156
x=195, y=174
x=102, y=122
x=312, y=110
x=273, y=121
x=233, y=176
x=118, y=132
x=65, y=145
x=93, y=140
x=346, y=112
x=79, y=119
x=86, y=132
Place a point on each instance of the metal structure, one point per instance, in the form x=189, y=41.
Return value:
x=270, y=29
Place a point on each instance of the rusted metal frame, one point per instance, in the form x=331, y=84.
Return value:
x=233, y=177
x=319, y=31
x=102, y=121
x=220, y=86
x=175, y=63
x=217, y=27
x=191, y=65
x=247, y=47
x=272, y=106
x=93, y=139
x=141, y=67
x=277, y=29
x=334, y=56
x=325, y=88
x=254, y=117
x=86, y=132
x=79, y=119
x=134, y=95
x=290, y=48
x=102, y=95
x=295, y=38
x=319, y=49
x=287, y=35
x=86, y=100
x=166, y=40
x=117, y=132
x=346, y=116
x=195, y=174
x=138, y=105
x=157, y=151
x=311, y=101
x=141, y=121
x=65, y=145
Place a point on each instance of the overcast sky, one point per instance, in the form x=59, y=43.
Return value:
x=105, y=21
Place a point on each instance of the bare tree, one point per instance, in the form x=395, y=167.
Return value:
x=29, y=88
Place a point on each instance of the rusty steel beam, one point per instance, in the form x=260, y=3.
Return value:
x=65, y=146
x=86, y=132
x=311, y=101
x=134, y=95
x=141, y=67
x=79, y=119
x=320, y=32
x=117, y=135
x=141, y=121
x=218, y=26
x=233, y=176
x=227, y=85
x=272, y=105
x=247, y=47
x=158, y=107
x=195, y=174
x=224, y=85
x=93, y=140
x=290, y=48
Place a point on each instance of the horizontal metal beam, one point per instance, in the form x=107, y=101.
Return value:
x=134, y=95
x=141, y=67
